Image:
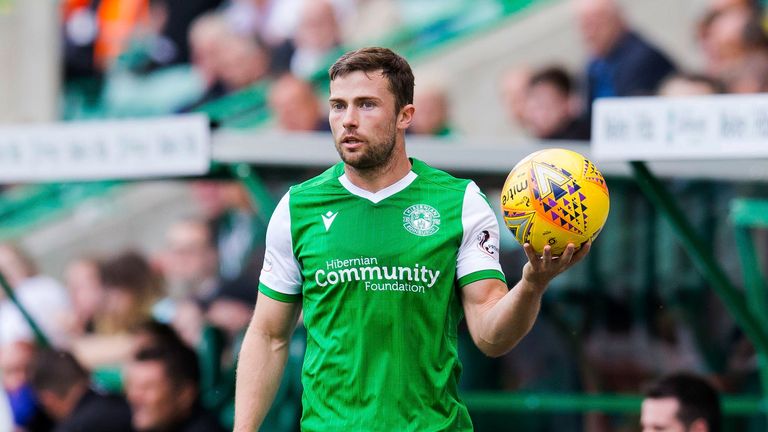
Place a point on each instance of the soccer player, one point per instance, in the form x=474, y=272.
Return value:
x=384, y=254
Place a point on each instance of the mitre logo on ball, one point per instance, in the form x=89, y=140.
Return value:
x=555, y=197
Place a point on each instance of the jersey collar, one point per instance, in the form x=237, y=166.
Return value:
x=376, y=197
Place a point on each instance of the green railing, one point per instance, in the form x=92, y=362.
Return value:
x=581, y=403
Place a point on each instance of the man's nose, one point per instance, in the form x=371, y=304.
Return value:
x=350, y=120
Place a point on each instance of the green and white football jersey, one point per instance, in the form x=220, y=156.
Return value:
x=379, y=277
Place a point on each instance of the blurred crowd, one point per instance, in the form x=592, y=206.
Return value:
x=149, y=337
x=550, y=102
x=152, y=339
x=144, y=57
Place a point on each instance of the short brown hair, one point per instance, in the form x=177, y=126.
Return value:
x=395, y=68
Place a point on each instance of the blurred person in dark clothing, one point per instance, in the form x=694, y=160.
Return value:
x=162, y=384
x=622, y=63
x=64, y=390
x=550, y=109
x=232, y=307
x=179, y=16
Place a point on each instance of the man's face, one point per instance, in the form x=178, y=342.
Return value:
x=660, y=415
x=191, y=256
x=600, y=24
x=155, y=402
x=363, y=119
x=547, y=110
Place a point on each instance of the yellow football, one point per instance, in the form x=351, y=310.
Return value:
x=555, y=197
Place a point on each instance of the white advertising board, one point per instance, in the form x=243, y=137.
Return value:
x=114, y=149
x=681, y=128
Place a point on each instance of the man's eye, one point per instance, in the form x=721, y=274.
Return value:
x=367, y=105
x=337, y=106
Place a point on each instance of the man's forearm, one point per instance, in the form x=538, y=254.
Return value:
x=510, y=318
x=259, y=372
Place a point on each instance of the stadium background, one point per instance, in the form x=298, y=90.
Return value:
x=606, y=328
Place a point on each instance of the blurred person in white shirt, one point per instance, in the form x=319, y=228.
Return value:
x=44, y=298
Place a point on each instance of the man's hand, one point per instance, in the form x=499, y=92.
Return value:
x=540, y=270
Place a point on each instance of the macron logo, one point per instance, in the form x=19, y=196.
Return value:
x=328, y=219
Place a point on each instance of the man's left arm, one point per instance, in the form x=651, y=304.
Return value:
x=497, y=317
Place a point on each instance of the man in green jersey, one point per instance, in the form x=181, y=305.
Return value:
x=385, y=255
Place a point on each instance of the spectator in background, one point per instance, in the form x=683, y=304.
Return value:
x=191, y=262
x=239, y=234
x=514, y=93
x=191, y=271
x=63, y=388
x=431, y=117
x=226, y=60
x=681, y=403
x=131, y=287
x=205, y=38
x=196, y=291
x=232, y=307
x=551, y=112
x=175, y=19
x=209, y=198
x=84, y=285
x=15, y=359
x=273, y=21
x=370, y=20
x=95, y=32
x=622, y=63
x=241, y=61
x=238, y=227
x=162, y=386
x=317, y=39
x=684, y=84
x=296, y=106
x=44, y=298
x=751, y=77
x=730, y=37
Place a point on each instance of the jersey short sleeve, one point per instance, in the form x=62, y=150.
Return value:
x=280, y=275
x=478, y=256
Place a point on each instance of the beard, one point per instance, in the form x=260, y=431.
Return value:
x=372, y=154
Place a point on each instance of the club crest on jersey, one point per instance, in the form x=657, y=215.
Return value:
x=421, y=219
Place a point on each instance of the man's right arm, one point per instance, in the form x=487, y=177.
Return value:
x=263, y=355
